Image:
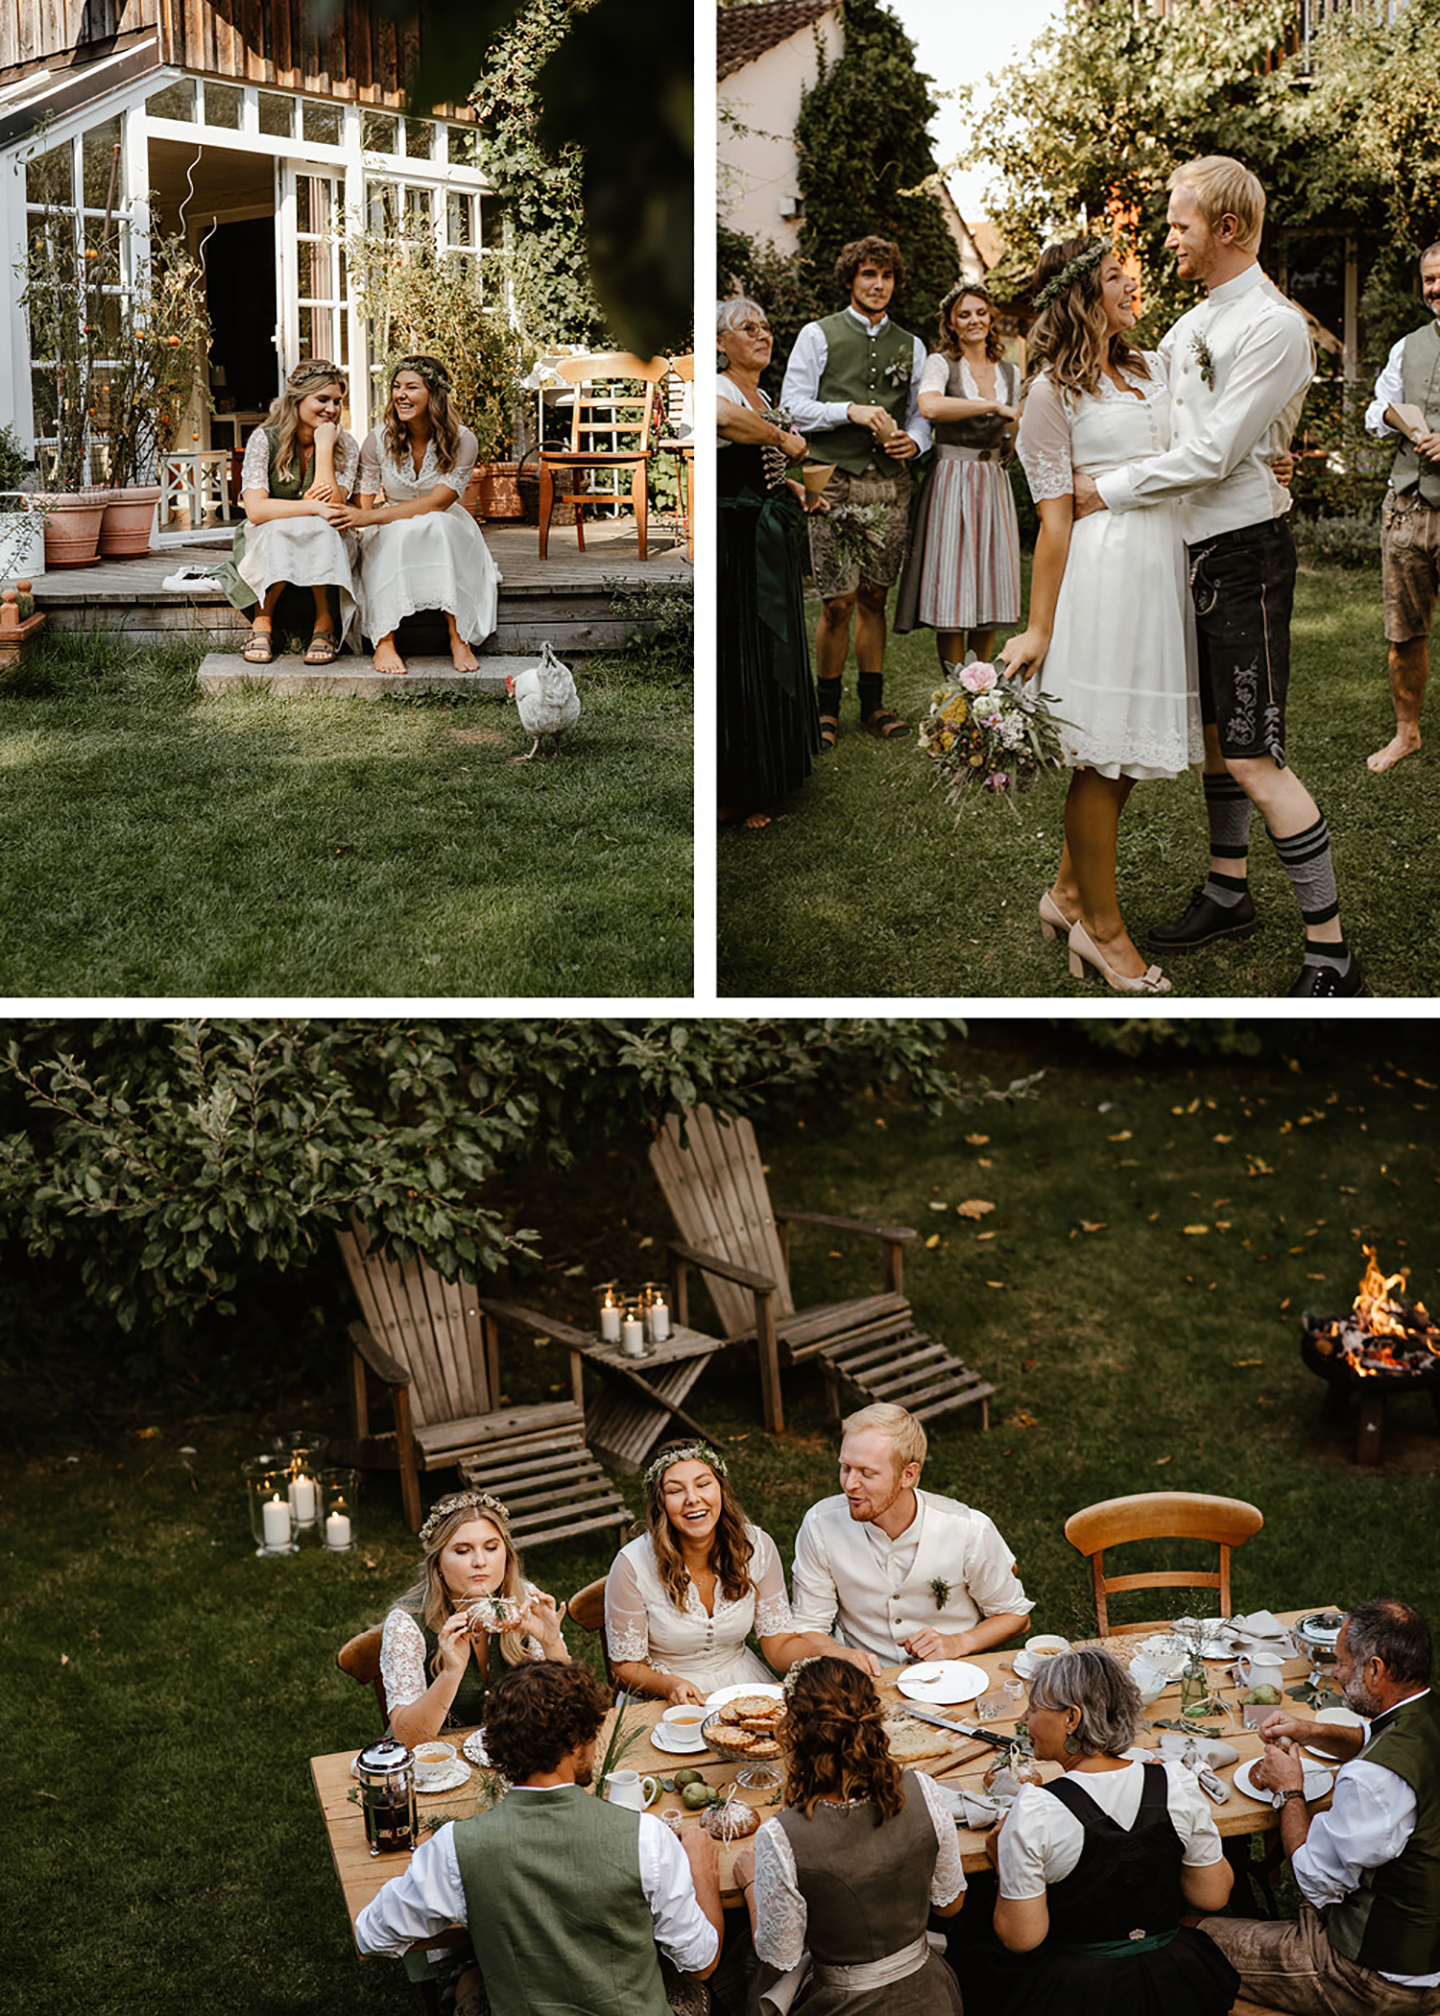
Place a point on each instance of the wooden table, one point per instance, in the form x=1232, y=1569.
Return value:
x=361, y=1876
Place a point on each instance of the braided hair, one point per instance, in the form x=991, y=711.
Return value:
x=833, y=1739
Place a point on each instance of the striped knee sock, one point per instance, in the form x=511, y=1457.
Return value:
x=1228, y=811
x=1306, y=859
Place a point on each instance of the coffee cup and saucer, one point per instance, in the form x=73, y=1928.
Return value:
x=681, y=1729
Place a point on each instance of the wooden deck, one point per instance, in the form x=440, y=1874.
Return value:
x=565, y=598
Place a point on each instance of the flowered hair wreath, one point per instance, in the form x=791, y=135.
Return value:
x=689, y=1452
x=787, y=1685
x=460, y=1501
x=1075, y=269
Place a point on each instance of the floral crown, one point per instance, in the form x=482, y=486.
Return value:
x=787, y=1685
x=689, y=1452
x=1075, y=269
x=429, y=368
x=460, y=1501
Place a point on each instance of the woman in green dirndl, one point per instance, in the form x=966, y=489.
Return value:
x=296, y=480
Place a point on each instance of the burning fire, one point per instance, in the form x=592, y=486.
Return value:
x=1382, y=1333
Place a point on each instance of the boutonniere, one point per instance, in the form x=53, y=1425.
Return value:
x=897, y=373
x=940, y=1590
x=1200, y=350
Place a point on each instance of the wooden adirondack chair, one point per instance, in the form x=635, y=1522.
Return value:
x=437, y=1353
x=714, y=1183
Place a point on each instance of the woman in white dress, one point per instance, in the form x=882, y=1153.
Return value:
x=681, y=1600
x=1107, y=596
x=422, y=550
x=295, y=482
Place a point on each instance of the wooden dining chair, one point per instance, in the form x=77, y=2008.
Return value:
x=614, y=399
x=587, y=1609
x=683, y=450
x=1160, y=1515
x=360, y=1658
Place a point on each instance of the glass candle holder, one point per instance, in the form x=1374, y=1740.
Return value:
x=304, y=1456
x=632, y=1328
x=339, y=1490
x=655, y=1296
x=610, y=1304
x=272, y=1520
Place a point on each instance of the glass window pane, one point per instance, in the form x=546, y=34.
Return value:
x=102, y=163
x=379, y=131
x=379, y=206
x=176, y=101
x=492, y=226
x=302, y=203
x=222, y=105
x=420, y=138
x=277, y=113
x=417, y=203
x=459, y=216
x=320, y=122
x=460, y=145
x=49, y=178
x=307, y=332
x=305, y=269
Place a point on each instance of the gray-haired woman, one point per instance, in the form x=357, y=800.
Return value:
x=1096, y=1866
x=767, y=719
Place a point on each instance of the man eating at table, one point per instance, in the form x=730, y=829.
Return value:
x=566, y=1897
x=899, y=1572
x=1368, y=1936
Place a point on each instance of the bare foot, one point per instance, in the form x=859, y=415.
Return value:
x=1066, y=901
x=1405, y=743
x=1120, y=955
x=462, y=657
x=755, y=822
x=387, y=658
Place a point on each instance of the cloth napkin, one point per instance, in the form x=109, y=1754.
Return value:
x=968, y=1809
x=1173, y=1743
x=1263, y=1631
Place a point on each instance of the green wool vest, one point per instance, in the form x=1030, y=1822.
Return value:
x=1391, y=1922
x=862, y=370
x=555, y=1907
x=1420, y=366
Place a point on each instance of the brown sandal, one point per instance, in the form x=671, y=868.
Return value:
x=259, y=648
x=323, y=649
x=889, y=727
x=829, y=733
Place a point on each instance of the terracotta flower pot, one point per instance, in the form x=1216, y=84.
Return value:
x=129, y=516
x=72, y=529
x=494, y=492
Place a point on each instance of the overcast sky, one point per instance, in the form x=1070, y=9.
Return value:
x=962, y=44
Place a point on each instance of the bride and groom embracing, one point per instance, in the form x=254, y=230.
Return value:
x=1146, y=466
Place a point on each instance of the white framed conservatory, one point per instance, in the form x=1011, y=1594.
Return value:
x=265, y=185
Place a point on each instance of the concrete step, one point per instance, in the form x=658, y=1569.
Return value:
x=289, y=676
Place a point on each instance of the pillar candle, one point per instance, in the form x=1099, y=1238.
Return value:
x=302, y=1499
x=337, y=1530
x=277, y=1522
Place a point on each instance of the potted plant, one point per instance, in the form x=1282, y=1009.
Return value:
x=22, y=527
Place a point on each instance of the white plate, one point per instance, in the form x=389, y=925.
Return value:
x=955, y=1680
x=1166, y=1648
x=1346, y=1718
x=1317, y=1783
x=474, y=1748
x=453, y=1778
x=660, y=1737
x=769, y=1688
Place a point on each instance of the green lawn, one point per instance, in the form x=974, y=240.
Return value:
x=870, y=886
x=157, y=841
x=1134, y=1294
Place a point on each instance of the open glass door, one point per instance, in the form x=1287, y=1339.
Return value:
x=314, y=319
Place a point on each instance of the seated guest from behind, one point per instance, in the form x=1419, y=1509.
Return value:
x=1368, y=1936
x=906, y=1572
x=442, y=1649
x=1096, y=1867
x=566, y=1897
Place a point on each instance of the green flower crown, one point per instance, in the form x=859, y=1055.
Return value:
x=690, y=1452
x=459, y=1501
x=1074, y=270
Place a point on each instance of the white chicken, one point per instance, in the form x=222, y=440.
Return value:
x=546, y=699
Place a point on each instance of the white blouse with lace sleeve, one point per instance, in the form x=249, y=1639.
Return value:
x=255, y=469
x=635, y=1595
x=1044, y=442
x=397, y=477
x=936, y=375
x=402, y=1660
x=780, y=1914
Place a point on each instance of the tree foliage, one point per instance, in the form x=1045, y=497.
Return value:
x=153, y=1159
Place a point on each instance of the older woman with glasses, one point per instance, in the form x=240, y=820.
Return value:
x=1097, y=1865
x=768, y=725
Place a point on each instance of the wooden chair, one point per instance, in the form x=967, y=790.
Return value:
x=587, y=1609
x=437, y=1354
x=683, y=449
x=360, y=1658
x=607, y=411
x=1160, y=1515
x=714, y=1182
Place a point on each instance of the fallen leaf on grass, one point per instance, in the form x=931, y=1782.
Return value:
x=973, y=1207
x=933, y=1240
x=981, y=1236
x=146, y=1434
x=1194, y=1231
x=1021, y=1420
x=1125, y=1135
x=1099, y=1225
x=935, y=1206
x=1249, y=1361
x=994, y=1284
x=1162, y=1459
x=978, y=1140
x=1222, y=1140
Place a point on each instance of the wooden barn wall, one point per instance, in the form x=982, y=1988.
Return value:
x=36, y=31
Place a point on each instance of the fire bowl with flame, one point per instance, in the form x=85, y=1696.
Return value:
x=1381, y=1345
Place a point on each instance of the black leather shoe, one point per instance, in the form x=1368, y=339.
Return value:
x=1203, y=923
x=1324, y=983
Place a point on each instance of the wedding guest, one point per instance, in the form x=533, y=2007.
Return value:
x=681, y=1601
x=567, y=1897
x=962, y=576
x=858, y=1857
x=1367, y=1941
x=1410, y=517
x=295, y=483
x=767, y=726
x=437, y=1660
x=852, y=389
x=1096, y=1866
x=1239, y=366
x=905, y=1572
x=422, y=548
x=1122, y=690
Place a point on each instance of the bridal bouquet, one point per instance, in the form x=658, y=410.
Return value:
x=857, y=532
x=990, y=731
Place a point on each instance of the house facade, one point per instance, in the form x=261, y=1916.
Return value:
x=767, y=57
x=262, y=143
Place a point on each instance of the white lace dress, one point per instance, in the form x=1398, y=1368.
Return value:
x=306, y=552
x=642, y=1623
x=435, y=561
x=1119, y=667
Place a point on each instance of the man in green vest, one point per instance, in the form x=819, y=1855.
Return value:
x=566, y=1897
x=1410, y=517
x=851, y=388
x=1368, y=1938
